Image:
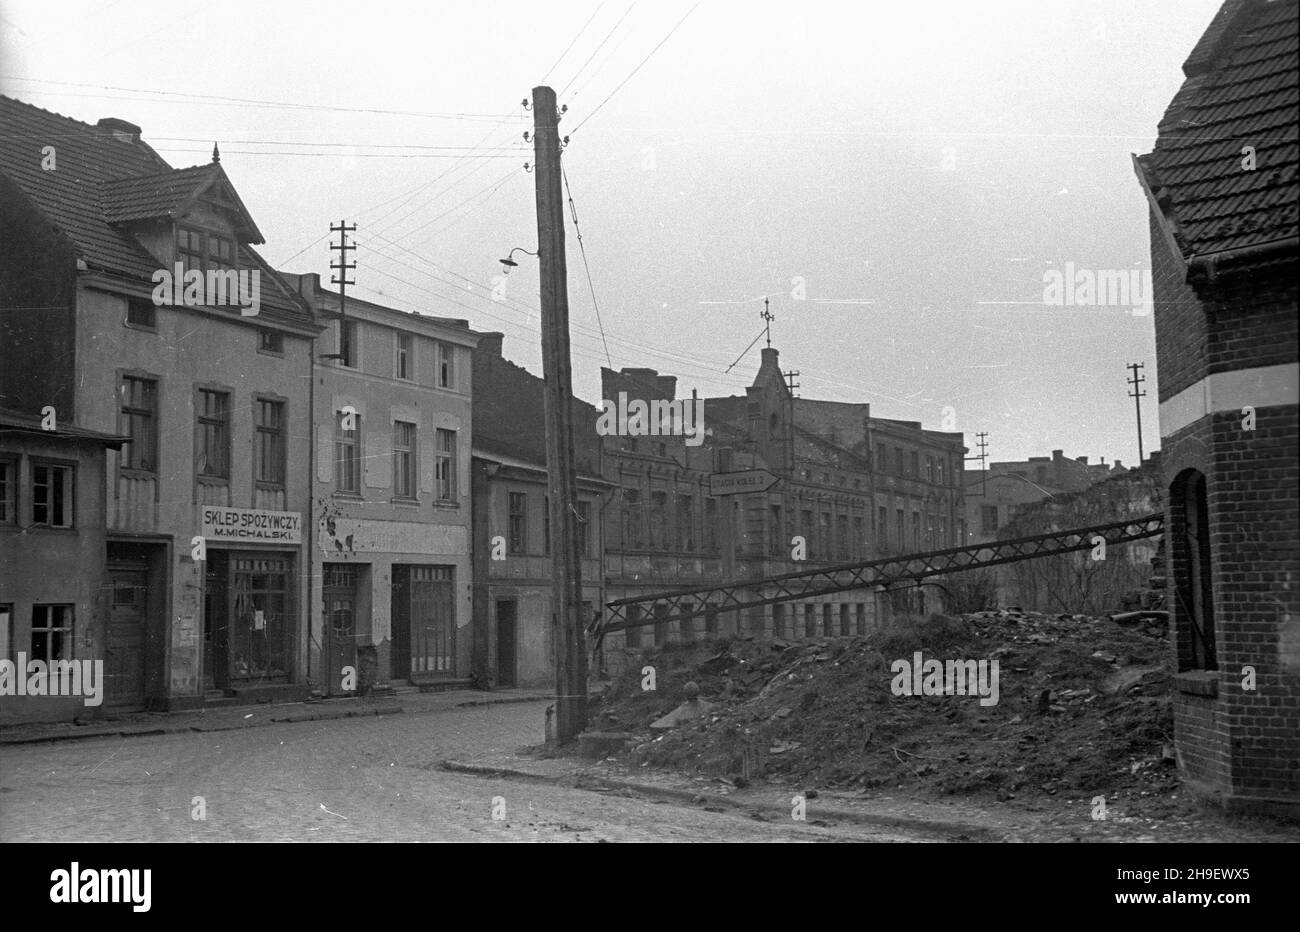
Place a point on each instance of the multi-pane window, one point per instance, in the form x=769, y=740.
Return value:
x=632, y=529
x=404, y=357
x=517, y=522
x=584, y=528
x=197, y=249
x=898, y=461
x=51, y=633
x=220, y=252
x=915, y=464
x=659, y=519
x=446, y=365
x=270, y=341
x=916, y=530
x=347, y=452
x=189, y=248
x=348, y=343
x=8, y=493
x=882, y=525
x=270, y=461
x=444, y=466
x=778, y=540
x=51, y=495
x=141, y=313
x=842, y=534
x=860, y=533
x=213, y=427
x=140, y=423
x=404, y=482
x=686, y=523
x=711, y=525
x=900, y=529
x=929, y=469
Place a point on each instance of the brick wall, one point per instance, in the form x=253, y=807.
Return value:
x=1241, y=743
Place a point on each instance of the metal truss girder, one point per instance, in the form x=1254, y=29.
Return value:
x=878, y=574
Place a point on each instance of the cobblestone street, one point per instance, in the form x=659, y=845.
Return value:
x=375, y=779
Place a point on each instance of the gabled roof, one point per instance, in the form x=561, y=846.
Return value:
x=169, y=194
x=104, y=178
x=1242, y=89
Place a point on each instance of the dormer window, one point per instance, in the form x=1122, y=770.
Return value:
x=202, y=250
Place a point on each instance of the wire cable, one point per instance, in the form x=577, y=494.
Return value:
x=573, y=210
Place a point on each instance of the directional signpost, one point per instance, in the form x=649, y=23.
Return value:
x=735, y=483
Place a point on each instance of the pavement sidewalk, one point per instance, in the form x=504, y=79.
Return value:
x=229, y=718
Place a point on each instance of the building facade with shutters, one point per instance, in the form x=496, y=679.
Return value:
x=208, y=383
x=390, y=530
x=1224, y=202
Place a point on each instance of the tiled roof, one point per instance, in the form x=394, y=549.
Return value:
x=17, y=422
x=101, y=181
x=1242, y=89
x=159, y=194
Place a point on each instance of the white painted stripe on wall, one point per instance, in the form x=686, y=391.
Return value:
x=1231, y=391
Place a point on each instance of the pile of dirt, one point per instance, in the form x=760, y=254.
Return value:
x=1083, y=708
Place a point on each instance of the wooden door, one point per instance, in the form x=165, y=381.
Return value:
x=127, y=624
x=507, y=614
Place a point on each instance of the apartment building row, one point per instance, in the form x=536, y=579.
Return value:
x=293, y=494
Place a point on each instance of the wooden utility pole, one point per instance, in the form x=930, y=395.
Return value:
x=1137, y=395
x=566, y=565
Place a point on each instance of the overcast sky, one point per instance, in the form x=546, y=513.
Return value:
x=896, y=177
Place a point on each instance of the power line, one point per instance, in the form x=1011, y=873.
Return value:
x=273, y=104
x=600, y=7
x=583, y=249
x=636, y=69
x=598, y=47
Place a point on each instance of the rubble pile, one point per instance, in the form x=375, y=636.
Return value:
x=1083, y=708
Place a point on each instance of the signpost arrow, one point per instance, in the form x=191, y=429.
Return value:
x=735, y=483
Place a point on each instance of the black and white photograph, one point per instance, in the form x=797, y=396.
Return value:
x=622, y=422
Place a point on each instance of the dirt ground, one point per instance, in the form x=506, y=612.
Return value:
x=1084, y=711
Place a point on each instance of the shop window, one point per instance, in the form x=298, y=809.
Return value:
x=260, y=630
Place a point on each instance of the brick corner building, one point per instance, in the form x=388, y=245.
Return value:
x=1222, y=187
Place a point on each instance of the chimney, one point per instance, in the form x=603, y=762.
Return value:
x=490, y=343
x=1081, y=459
x=121, y=129
x=1057, y=454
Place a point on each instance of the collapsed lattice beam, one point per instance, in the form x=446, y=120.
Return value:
x=682, y=604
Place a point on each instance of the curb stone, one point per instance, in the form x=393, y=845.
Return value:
x=583, y=780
